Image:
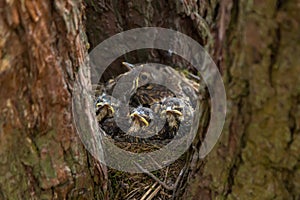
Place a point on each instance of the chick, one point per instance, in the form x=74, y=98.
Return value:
x=141, y=117
x=104, y=108
x=172, y=109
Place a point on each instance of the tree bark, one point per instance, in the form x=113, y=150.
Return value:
x=255, y=45
x=42, y=44
x=258, y=154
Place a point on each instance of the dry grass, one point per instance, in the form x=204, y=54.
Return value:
x=141, y=186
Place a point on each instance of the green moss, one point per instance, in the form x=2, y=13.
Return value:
x=30, y=155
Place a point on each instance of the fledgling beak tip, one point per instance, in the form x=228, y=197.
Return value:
x=111, y=109
x=140, y=118
x=107, y=105
x=175, y=112
x=99, y=105
x=128, y=65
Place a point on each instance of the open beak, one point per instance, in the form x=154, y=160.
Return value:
x=140, y=118
x=109, y=107
x=173, y=111
x=128, y=65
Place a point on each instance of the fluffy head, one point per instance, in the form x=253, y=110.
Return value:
x=103, y=107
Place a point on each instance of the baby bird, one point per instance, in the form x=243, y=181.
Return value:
x=103, y=107
x=141, y=117
x=172, y=108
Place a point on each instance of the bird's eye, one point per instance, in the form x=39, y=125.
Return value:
x=144, y=77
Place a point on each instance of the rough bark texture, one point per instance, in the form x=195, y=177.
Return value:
x=255, y=44
x=258, y=154
x=41, y=46
x=106, y=18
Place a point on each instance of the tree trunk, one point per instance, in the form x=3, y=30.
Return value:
x=254, y=43
x=42, y=44
x=258, y=153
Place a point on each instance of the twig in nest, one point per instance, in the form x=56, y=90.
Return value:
x=154, y=193
x=194, y=76
x=177, y=181
x=166, y=175
x=148, y=192
x=163, y=184
x=131, y=194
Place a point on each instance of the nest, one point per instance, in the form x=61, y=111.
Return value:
x=141, y=186
x=159, y=184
